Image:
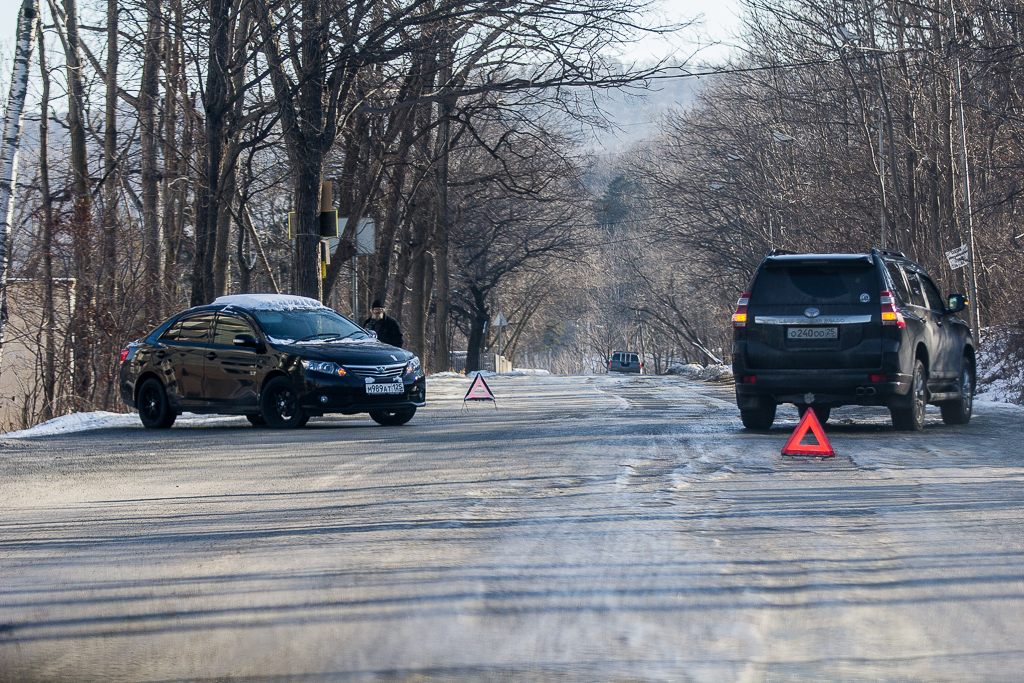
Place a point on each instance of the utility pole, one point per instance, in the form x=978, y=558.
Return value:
x=972, y=283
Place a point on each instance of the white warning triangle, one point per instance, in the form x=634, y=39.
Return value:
x=479, y=391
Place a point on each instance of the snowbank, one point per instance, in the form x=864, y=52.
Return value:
x=101, y=419
x=688, y=370
x=446, y=375
x=521, y=372
x=1000, y=373
x=711, y=372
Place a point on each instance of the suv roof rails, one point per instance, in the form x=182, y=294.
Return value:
x=780, y=252
x=888, y=252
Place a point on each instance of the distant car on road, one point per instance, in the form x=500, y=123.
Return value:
x=276, y=359
x=825, y=330
x=625, y=361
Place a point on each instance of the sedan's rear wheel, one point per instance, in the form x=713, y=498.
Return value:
x=910, y=416
x=958, y=411
x=759, y=418
x=279, y=404
x=154, y=408
x=393, y=418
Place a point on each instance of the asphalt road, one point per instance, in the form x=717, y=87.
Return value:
x=599, y=528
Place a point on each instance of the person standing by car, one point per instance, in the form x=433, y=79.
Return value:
x=383, y=324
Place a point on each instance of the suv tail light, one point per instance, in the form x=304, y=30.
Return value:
x=891, y=315
x=739, y=318
x=124, y=354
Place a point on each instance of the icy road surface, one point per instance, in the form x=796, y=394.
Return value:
x=599, y=528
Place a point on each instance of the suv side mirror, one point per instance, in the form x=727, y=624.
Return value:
x=246, y=341
x=956, y=303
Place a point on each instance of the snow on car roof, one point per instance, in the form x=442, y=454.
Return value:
x=268, y=302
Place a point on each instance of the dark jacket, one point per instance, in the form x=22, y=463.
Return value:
x=386, y=328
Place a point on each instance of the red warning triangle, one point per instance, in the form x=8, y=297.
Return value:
x=479, y=391
x=809, y=421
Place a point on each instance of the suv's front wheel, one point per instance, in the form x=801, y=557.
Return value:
x=958, y=411
x=909, y=417
x=759, y=418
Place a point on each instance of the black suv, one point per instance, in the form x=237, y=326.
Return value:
x=276, y=359
x=826, y=330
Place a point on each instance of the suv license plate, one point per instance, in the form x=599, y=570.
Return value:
x=812, y=333
x=396, y=388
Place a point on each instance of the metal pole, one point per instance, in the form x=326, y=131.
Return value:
x=355, y=290
x=881, y=172
x=972, y=283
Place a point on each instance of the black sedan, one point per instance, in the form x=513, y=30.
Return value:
x=276, y=359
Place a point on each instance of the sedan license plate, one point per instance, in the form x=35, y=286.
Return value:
x=812, y=333
x=386, y=388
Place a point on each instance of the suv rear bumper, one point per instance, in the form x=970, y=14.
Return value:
x=829, y=387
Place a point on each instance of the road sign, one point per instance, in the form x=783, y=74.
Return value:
x=500, y=320
x=809, y=422
x=365, y=242
x=957, y=257
x=329, y=223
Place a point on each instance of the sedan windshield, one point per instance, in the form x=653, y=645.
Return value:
x=308, y=325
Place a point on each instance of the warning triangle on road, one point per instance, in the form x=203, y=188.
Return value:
x=809, y=422
x=479, y=391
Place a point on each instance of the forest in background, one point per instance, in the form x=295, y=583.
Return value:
x=166, y=143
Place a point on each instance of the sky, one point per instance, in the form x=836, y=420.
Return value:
x=720, y=19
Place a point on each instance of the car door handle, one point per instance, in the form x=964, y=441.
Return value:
x=160, y=354
x=210, y=355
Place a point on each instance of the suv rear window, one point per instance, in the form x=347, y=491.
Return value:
x=816, y=284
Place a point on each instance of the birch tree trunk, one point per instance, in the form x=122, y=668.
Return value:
x=28, y=22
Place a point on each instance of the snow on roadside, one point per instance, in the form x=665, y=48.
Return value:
x=697, y=371
x=101, y=419
x=1000, y=375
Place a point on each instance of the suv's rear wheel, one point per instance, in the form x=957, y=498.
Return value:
x=820, y=412
x=910, y=416
x=958, y=411
x=279, y=404
x=759, y=418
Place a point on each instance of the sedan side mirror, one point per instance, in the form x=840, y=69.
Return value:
x=956, y=303
x=246, y=341
x=372, y=333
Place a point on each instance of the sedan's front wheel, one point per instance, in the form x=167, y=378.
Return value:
x=279, y=404
x=393, y=418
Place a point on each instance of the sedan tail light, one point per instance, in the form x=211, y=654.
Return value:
x=891, y=315
x=739, y=318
